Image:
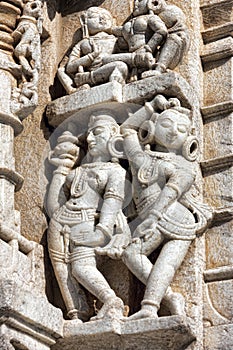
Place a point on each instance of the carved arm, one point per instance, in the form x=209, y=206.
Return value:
x=160, y=32
x=180, y=177
x=76, y=61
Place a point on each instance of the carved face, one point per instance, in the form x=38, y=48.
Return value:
x=97, y=139
x=140, y=7
x=98, y=20
x=171, y=130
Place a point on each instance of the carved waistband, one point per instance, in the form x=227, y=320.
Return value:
x=66, y=216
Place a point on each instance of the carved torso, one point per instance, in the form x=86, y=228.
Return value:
x=89, y=184
x=134, y=32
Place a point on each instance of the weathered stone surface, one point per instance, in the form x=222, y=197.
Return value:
x=216, y=12
x=219, y=338
x=170, y=84
x=64, y=107
x=157, y=334
x=61, y=30
x=219, y=250
x=218, y=82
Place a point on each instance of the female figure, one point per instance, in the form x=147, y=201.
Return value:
x=87, y=219
x=162, y=180
x=160, y=29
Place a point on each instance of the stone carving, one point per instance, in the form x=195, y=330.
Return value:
x=158, y=29
x=85, y=204
x=154, y=40
x=170, y=215
x=90, y=61
x=27, y=51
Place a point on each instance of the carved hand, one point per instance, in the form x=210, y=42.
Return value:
x=146, y=229
x=144, y=59
x=115, y=247
x=91, y=238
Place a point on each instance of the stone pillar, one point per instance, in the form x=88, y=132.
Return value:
x=23, y=323
x=10, y=125
x=217, y=58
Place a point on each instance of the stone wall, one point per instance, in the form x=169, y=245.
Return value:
x=30, y=302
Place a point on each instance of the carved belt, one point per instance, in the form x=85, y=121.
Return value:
x=66, y=216
x=175, y=230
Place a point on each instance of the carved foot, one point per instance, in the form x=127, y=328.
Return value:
x=82, y=79
x=150, y=73
x=73, y=315
x=113, y=308
x=83, y=87
x=175, y=303
x=147, y=311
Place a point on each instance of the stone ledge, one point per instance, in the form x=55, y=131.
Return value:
x=219, y=274
x=164, y=333
x=12, y=176
x=216, y=164
x=218, y=50
x=64, y=107
x=217, y=110
x=11, y=120
x=219, y=337
x=222, y=214
x=170, y=84
x=28, y=312
x=217, y=32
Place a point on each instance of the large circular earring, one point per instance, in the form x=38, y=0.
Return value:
x=146, y=132
x=115, y=147
x=190, y=148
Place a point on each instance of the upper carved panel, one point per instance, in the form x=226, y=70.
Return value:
x=153, y=41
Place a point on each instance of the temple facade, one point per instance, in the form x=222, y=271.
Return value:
x=116, y=174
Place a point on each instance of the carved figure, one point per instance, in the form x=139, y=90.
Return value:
x=160, y=29
x=97, y=58
x=27, y=50
x=162, y=181
x=90, y=215
x=88, y=62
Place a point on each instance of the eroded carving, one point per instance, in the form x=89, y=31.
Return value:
x=154, y=40
x=160, y=146
x=85, y=204
x=159, y=29
x=27, y=51
x=90, y=62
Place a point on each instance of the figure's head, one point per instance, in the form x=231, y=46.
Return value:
x=98, y=20
x=168, y=129
x=140, y=7
x=156, y=6
x=172, y=129
x=101, y=129
x=32, y=8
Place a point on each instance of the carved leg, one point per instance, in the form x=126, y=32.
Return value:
x=135, y=256
x=174, y=302
x=85, y=271
x=60, y=266
x=65, y=80
x=26, y=66
x=161, y=276
x=83, y=79
x=170, y=55
x=117, y=71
